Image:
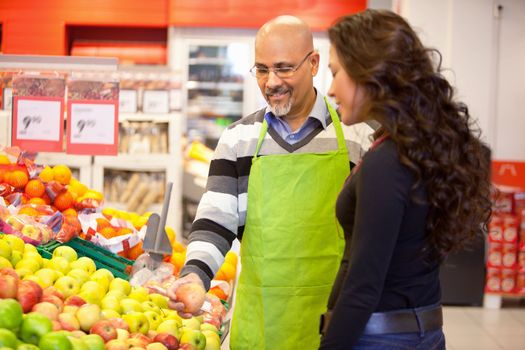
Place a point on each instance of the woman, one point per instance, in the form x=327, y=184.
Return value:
x=421, y=191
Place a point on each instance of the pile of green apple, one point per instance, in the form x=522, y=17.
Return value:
x=76, y=299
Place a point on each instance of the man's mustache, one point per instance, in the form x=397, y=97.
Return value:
x=276, y=91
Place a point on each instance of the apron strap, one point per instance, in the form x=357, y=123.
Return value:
x=264, y=128
x=337, y=126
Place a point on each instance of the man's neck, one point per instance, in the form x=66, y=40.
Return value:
x=296, y=119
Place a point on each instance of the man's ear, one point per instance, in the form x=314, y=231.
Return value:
x=313, y=60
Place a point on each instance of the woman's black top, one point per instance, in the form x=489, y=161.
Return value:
x=384, y=267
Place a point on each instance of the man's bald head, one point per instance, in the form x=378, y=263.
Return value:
x=288, y=29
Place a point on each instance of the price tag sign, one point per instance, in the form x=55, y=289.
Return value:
x=128, y=101
x=92, y=127
x=38, y=123
x=156, y=101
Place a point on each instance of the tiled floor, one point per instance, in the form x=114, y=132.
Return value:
x=476, y=328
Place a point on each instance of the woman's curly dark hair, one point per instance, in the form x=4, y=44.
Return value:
x=435, y=135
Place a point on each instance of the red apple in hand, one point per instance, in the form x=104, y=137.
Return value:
x=167, y=340
x=29, y=294
x=192, y=295
x=105, y=329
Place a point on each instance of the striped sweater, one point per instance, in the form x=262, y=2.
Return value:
x=221, y=213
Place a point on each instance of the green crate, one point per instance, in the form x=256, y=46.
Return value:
x=103, y=258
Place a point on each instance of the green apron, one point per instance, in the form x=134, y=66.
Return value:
x=291, y=247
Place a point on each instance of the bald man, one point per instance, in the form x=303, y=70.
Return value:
x=273, y=184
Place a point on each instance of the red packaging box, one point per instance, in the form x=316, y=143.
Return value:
x=503, y=202
x=521, y=261
x=519, y=202
x=511, y=225
x=496, y=228
x=494, y=254
x=509, y=255
x=520, y=283
x=508, y=280
x=493, y=283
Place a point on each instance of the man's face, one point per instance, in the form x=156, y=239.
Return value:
x=284, y=94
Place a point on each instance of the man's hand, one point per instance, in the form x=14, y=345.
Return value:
x=174, y=299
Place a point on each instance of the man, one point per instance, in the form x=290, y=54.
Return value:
x=272, y=184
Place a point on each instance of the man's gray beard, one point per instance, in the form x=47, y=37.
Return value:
x=279, y=110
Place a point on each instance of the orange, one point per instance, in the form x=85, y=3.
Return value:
x=46, y=174
x=29, y=211
x=102, y=223
x=231, y=258
x=37, y=201
x=70, y=212
x=35, y=188
x=62, y=174
x=135, y=252
x=4, y=159
x=217, y=291
x=46, y=199
x=63, y=201
x=108, y=232
x=229, y=271
x=17, y=178
x=124, y=231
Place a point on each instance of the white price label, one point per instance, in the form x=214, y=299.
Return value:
x=92, y=123
x=38, y=120
x=156, y=101
x=128, y=101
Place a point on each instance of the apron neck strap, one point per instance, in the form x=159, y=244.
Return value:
x=337, y=126
x=341, y=144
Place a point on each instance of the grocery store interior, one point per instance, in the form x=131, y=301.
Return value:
x=153, y=84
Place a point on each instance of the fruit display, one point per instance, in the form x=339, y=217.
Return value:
x=66, y=303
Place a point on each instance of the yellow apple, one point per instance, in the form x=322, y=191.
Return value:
x=92, y=286
x=16, y=243
x=137, y=322
x=140, y=294
x=67, y=285
x=80, y=275
x=110, y=302
x=120, y=284
x=59, y=263
x=116, y=294
x=84, y=263
x=28, y=264
x=48, y=276
x=150, y=306
x=30, y=248
x=159, y=300
x=16, y=256
x=154, y=319
x=171, y=327
x=87, y=315
x=130, y=305
x=6, y=263
x=109, y=313
x=35, y=256
x=66, y=252
x=5, y=249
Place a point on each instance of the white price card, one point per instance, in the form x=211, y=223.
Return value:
x=38, y=120
x=156, y=101
x=38, y=123
x=128, y=101
x=92, y=127
x=92, y=123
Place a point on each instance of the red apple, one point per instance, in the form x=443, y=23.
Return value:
x=192, y=295
x=47, y=309
x=29, y=294
x=118, y=322
x=8, y=286
x=68, y=322
x=74, y=300
x=187, y=346
x=167, y=340
x=139, y=340
x=53, y=291
x=105, y=329
x=53, y=299
x=9, y=271
x=116, y=344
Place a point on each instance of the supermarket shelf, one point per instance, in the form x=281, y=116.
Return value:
x=134, y=162
x=211, y=85
x=158, y=118
x=209, y=61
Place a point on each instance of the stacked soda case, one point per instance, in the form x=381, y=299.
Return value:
x=506, y=245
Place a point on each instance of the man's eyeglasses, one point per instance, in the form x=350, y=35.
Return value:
x=281, y=72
